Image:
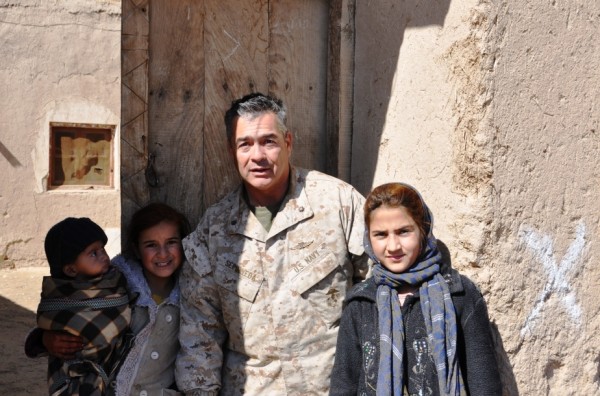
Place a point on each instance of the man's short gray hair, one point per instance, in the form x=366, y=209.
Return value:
x=250, y=107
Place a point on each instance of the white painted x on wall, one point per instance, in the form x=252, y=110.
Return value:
x=559, y=275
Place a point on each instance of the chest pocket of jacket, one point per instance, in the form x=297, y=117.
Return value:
x=324, y=285
x=238, y=294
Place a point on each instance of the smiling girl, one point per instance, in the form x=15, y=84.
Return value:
x=151, y=265
x=416, y=327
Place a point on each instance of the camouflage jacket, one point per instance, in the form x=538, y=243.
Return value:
x=260, y=310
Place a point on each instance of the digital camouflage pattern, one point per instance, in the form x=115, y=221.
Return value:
x=260, y=310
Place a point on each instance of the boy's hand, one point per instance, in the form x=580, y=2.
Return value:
x=62, y=345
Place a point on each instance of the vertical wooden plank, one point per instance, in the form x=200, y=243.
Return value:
x=298, y=74
x=134, y=107
x=333, y=86
x=236, y=40
x=340, y=87
x=176, y=103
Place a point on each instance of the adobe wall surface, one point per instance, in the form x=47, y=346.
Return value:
x=543, y=245
x=490, y=110
x=60, y=62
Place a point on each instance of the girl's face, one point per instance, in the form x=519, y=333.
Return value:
x=395, y=238
x=160, y=250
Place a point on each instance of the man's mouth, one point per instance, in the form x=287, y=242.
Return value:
x=261, y=171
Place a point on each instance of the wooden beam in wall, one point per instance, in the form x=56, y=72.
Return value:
x=340, y=87
x=176, y=103
x=134, y=108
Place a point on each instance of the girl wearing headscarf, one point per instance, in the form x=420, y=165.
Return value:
x=416, y=327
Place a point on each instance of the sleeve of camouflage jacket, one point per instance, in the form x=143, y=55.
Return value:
x=354, y=235
x=202, y=331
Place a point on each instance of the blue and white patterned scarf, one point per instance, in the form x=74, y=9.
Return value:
x=438, y=311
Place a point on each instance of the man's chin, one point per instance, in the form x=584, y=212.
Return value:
x=260, y=183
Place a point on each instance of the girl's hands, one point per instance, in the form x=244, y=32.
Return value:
x=62, y=345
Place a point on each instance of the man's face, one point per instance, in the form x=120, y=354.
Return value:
x=262, y=156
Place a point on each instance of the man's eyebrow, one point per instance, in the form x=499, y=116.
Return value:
x=242, y=139
x=265, y=136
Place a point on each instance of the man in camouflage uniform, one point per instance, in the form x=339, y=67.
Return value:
x=268, y=268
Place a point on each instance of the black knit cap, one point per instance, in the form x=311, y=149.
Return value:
x=67, y=239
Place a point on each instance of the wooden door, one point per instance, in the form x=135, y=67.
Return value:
x=185, y=61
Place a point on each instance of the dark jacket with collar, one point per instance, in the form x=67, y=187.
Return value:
x=357, y=353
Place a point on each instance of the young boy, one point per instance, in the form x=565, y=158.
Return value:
x=85, y=296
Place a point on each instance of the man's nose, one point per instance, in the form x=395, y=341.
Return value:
x=258, y=152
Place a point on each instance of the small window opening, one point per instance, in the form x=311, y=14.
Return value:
x=81, y=156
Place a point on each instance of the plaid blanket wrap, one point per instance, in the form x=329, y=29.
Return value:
x=97, y=310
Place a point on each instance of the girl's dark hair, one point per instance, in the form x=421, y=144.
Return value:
x=151, y=215
x=395, y=195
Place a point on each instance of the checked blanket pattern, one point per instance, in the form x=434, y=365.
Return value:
x=97, y=310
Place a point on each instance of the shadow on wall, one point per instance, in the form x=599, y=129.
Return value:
x=379, y=37
x=19, y=376
x=12, y=160
x=509, y=383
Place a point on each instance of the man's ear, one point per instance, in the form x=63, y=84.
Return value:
x=70, y=270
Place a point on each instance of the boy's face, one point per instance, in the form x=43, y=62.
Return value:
x=90, y=263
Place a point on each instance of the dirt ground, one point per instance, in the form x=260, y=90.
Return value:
x=19, y=297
